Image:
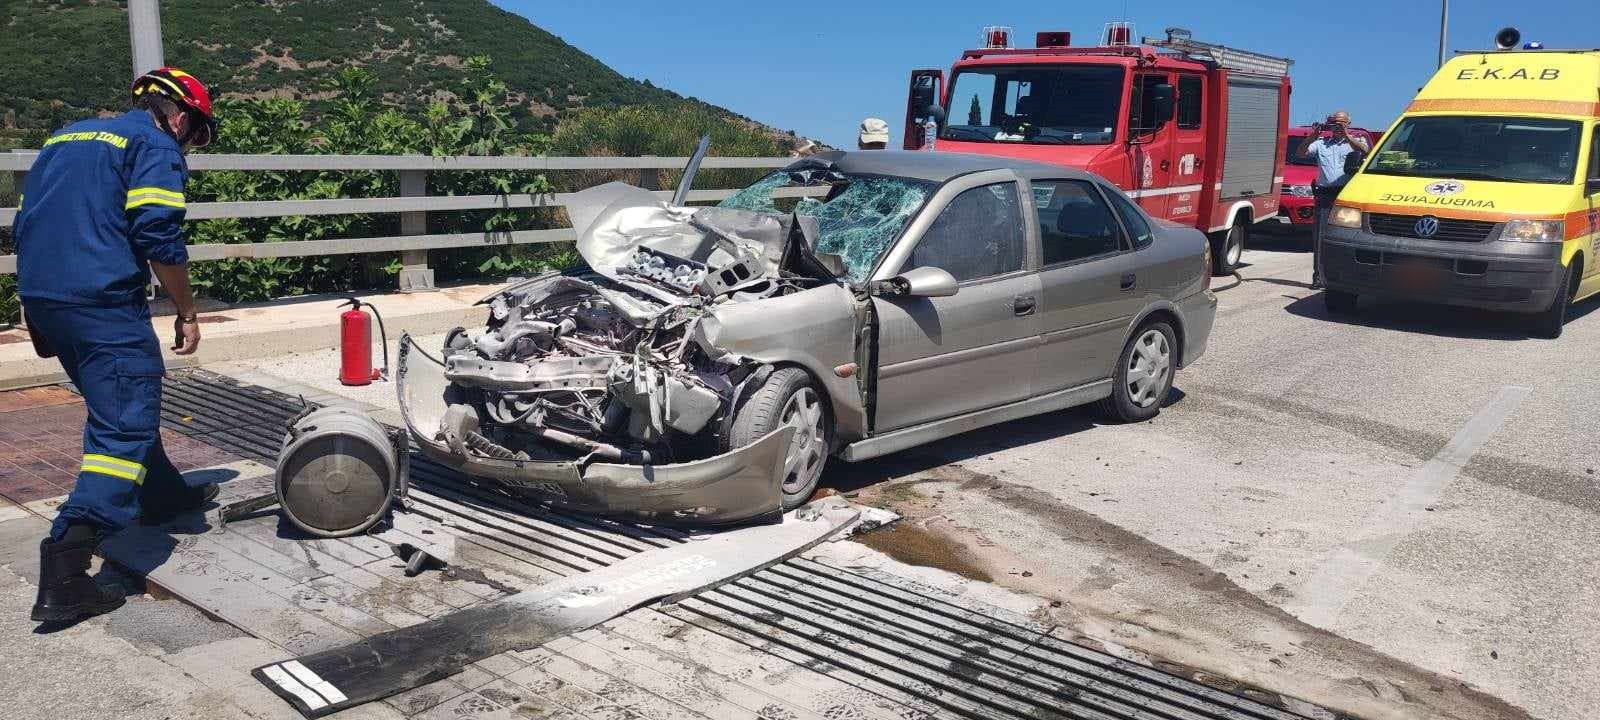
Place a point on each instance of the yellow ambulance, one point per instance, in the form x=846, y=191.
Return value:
x=1485, y=193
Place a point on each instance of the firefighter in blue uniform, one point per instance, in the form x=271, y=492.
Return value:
x=103, y=207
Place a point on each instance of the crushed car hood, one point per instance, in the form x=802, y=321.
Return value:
x=615, y=221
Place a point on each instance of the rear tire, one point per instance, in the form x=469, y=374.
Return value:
x=1143, y=378
x=1339, y=302
x=1551, y=321
x=1228, y=248
x=789, y=397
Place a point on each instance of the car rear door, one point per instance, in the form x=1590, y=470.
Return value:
x=946, y=356
x=1089, y=280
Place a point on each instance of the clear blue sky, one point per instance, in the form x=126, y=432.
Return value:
x=819, y=67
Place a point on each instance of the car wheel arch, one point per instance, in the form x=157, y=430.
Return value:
x=1168, y=313
x=822, y=388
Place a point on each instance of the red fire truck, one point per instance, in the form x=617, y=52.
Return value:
x=1191, y=130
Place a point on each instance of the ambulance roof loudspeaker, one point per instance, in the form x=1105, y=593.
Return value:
x=1507, y=38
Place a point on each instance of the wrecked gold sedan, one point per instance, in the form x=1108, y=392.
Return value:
x=707, y=362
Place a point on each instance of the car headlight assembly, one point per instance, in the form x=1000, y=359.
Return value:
x=1540, y=231
x=1345, y=216
x=1300, y=191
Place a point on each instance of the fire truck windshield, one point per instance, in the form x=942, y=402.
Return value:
x=1040, y=104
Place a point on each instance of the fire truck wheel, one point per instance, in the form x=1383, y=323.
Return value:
x=1227, y=248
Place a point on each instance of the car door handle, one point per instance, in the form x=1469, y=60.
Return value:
x=1166, y=165
x=1023, y=304
x=1129, y=281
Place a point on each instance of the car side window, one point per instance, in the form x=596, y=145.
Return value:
x=1074, y=222
x=1133, y=220
x=978, y=235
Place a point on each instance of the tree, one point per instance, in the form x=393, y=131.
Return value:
x=975, y=112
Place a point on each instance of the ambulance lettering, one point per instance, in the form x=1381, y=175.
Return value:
x=1437, y=201
x=1494, y=73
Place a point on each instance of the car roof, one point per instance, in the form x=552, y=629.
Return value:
x=937, y=166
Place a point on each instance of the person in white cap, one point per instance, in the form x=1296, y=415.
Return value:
x=874, y=135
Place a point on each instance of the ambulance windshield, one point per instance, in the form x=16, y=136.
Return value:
x=1040, y=104
x=1500, y=149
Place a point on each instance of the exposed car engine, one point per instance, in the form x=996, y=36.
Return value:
x=605, y=366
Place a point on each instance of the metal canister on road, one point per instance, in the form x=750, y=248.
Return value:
x=339, y=471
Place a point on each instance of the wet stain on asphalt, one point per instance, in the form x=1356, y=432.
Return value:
x=914, y=544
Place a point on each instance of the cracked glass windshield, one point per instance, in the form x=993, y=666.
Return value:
x=1052, y=105
x=1501, y=149
x=857, y=215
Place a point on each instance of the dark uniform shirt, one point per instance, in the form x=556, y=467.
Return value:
x=103, y=199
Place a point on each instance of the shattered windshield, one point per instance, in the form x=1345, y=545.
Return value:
x=857, y=215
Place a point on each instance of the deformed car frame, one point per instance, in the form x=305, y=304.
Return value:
x=706, y=362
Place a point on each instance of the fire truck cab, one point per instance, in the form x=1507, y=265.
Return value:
x=1190, y=130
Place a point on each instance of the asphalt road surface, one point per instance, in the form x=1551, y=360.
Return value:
x=1394, y=513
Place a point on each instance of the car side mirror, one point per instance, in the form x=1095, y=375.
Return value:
x=1592, y=187
x=921, y=282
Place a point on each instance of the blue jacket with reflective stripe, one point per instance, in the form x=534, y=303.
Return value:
x=104, y=197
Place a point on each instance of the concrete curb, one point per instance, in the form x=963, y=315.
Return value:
x=34, y=371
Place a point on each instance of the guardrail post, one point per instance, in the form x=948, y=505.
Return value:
x=415, y=275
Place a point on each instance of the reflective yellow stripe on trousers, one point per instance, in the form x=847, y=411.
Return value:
x=115, y=467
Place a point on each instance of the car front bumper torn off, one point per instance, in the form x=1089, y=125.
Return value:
x=740, y=485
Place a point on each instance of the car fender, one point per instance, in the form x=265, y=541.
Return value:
x=814, y=329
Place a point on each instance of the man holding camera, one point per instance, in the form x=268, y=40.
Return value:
x=1333, y=155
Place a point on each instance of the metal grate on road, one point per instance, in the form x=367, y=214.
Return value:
x=888, y=638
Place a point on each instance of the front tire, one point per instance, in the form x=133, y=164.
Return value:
x=1228, y=250
x=789, y=397
x=1551, y=321
x=1144, y=374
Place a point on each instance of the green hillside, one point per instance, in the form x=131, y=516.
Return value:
x=66, y=59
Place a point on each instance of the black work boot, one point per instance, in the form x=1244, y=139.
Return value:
x=160, y=511
x=66, y=592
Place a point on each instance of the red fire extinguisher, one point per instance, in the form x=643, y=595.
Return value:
x=355, y=344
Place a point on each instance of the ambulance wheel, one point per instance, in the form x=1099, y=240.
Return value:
x=1339, y=302
x=789, y=397
x=1228, y=249
x=1552, y=320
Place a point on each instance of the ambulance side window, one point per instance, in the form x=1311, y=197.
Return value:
x=1189, y=102
x=1594, y=155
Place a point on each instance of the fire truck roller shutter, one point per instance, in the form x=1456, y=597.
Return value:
x=1252, y=137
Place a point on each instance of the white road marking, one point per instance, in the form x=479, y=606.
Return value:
x=315, y=682
x=1330, y=586
x=276, y=674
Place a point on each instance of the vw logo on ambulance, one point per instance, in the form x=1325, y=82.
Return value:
x=1427, y=227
